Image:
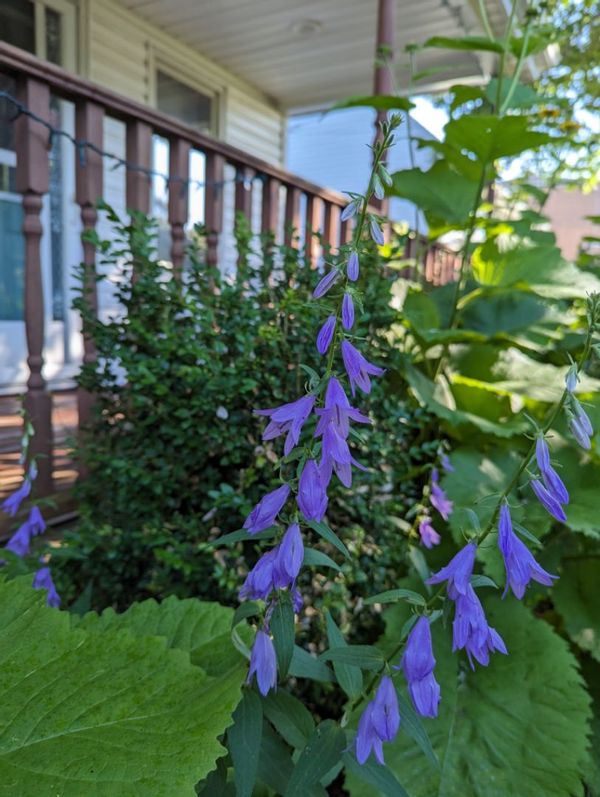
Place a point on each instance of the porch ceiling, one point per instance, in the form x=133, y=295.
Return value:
x=309, y=53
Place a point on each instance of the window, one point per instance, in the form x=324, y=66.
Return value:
x=184, y=102
x=46, y=29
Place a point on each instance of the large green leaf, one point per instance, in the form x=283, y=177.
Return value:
x=575, y=595
x=492, y=137
x=470, y=43
x=528, y=265
x=381, y=102
x=103, y=713
x=516, y=727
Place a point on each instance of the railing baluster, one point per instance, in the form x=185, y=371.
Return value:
x=179, y=168
x=89, y=123
x=243, y=191
x=292, y=214
x=346, y=231
x=313, y=225
x=32, y=181
x=213, y=214
x=331, y=225
x=270, y=205
x=139, y=155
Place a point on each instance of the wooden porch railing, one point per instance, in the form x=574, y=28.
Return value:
x=36, y=81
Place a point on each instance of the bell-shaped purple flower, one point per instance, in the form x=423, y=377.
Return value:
x=288, y=418
x=429, y=536
x=259, y=581
x=325, y=335
x=367, y=738
x=548, y=500
x=12, y=504
x=458, y=570
x=386, y=716
x=337, y=411
x=376, y=232
x=470, y=628
x=326, y=283
x=521, y=566
x=446, y=464
x=358, y=368
x=579, y=433
x=263, y=663
x=347, y=311
x=571, y=379
x=297, y=600
x=265, y=512
x=43, y=580
x=418, y=663
x=552, y=481
x=288, y=561
x=353, y=267
x=350, y=210
x=312, y=496
x=336, y=457
x=20, y=541
x=439, y=499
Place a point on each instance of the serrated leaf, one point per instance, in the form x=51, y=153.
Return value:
x=393, y=595
x=575, y=595
x=313, y=557
x=102, y=712
x=349, y=677
x=366, y=657
x=244, y=741
x=303, y=665
x=275, y=764
x=282, y=628
x=518, y=726
x=329, y=536
x=412, y=725
x=289, y=716
x=321, y=753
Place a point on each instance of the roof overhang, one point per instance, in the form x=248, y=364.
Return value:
x=309, y=54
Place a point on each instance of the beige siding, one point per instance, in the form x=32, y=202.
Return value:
x=123, y=52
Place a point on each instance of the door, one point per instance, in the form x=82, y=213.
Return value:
x=46, y=28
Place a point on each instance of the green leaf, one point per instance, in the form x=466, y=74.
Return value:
x=245, y=610
x=482, y=581
x=322, y=752
x=526, y=265
x=366, y=657
x=575, y=595
x=348, y=677
x=329, y=536
x=102, y=712
x=518, y=726
x=412, y=725
x=492, y=137
x=304, y=665
x=470, y=43
x=523, y=96
x=242, y=536
x=374, y=774
x=282, y=628
x=289, y=716
x=393, y=595
x=381, y=102
x=313, y=557
x=275, y=764
x=244, y=741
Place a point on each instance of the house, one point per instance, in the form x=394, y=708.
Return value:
x=198, y=90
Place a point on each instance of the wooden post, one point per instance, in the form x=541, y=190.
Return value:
x=89, y=124
x=331, y=225
x=243, y=191
x=139, y=154
x=292, y=214
x=270, y=206
x=313, y=225
x=384, y=56
x=213, y=214
x=179, y=167
x=32, y=181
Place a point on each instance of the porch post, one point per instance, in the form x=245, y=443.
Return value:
x=384, y=57
x=32, y=181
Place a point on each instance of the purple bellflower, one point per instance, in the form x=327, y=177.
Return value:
x=264, y=513
x=438, y=497
x=325, y=335
x=353, y=267
x=571, y=379
x=347, y=311
x=470, y=629
x=376, y=232
x=519, y=562
x=12, y=504
x=326, y=283
x=379, y=722
x=20, y=541
x=350, y=210
x=288, y=418
x=259, y=581
x=289, y=557
x=458, y=570
x=337, y=411
x=446, y=464
x=358, y=368
x=429, y=536
x=579, y=433
x=312, y=497
x=418, y=663
x=263, y=663
x=43, y=580
x=548, y=500
x=552, y=481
